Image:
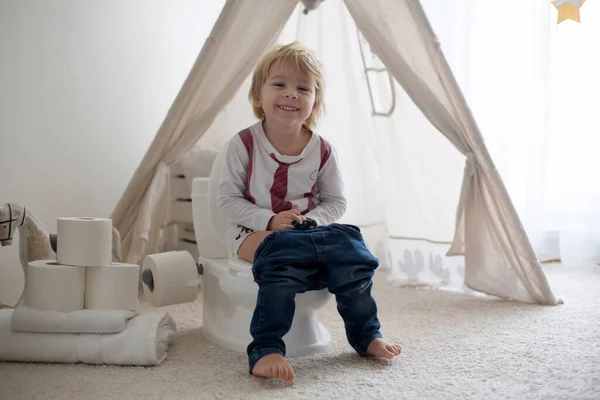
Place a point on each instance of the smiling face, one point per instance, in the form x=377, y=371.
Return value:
x=287, y=87
x=287, y=97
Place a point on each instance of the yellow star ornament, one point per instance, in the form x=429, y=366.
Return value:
x=568, y=9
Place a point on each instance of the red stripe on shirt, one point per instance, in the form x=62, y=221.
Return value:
x=248, y=142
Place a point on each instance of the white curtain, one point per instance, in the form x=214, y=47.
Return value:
x=499, y=259
x=570, y=220
x=498, y=57
x=533, y=87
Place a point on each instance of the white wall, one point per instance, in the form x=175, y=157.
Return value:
x=84, y=86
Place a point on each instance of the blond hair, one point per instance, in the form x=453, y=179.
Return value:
x=299, y=57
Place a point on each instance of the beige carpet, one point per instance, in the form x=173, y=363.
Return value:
x=455, y=346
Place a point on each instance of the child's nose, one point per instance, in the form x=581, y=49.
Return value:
x=291, y=95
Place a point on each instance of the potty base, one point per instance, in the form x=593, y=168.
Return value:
x=227, y=323
x=320, y=338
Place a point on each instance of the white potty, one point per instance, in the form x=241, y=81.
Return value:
x=228, y=288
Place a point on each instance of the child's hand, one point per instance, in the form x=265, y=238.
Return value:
x=284, y=219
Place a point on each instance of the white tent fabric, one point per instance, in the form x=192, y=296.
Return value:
x=497, y=244
x=497, y=255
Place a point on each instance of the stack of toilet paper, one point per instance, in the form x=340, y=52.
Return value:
x=82, y=307
x=81, y=291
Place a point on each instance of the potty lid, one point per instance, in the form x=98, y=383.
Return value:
x=217, y=218
x=200, y=186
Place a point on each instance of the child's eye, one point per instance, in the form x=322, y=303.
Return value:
x=304, y=89
x=278, y=84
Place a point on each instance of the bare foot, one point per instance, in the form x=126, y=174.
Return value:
x=384, y=349
x=274, y=366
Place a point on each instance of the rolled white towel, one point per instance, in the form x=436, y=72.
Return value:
x=25, y=319
x=143, y=342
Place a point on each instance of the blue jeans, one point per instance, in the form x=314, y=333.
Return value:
x=294, y=261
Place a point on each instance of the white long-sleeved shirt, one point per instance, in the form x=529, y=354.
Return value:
x=314, y=184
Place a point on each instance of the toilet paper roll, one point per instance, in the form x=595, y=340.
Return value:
x=112, y=287
x=175, y=278
x=54, y=287
x=84, y=241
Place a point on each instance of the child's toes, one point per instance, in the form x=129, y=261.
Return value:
x=282, y=372
x=290, y=376
x=394, y=349
x=386, y=353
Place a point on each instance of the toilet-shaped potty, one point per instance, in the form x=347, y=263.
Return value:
x=228, y=288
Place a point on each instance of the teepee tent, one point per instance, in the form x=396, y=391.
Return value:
x=380, y=150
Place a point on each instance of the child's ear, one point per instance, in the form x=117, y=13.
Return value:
x=256, y=101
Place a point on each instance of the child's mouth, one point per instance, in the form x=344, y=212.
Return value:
x=288, y=108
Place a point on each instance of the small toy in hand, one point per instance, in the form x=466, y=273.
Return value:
x=306, y=225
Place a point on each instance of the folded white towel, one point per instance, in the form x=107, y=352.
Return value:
x=143, y=342
x=27, y=319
